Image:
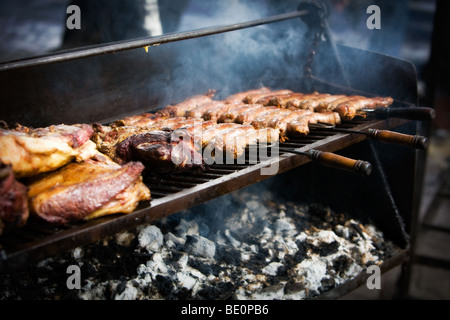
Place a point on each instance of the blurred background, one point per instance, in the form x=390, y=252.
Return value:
x=415, y=30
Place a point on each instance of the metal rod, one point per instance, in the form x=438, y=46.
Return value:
x=90, y=51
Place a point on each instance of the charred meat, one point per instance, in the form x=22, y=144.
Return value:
x=87, y=190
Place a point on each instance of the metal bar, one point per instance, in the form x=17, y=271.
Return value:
x=90, y=51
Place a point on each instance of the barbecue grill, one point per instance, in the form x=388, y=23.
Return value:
x=103, y=83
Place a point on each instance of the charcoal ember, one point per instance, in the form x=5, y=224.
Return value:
x=200, y=246
x=204, y=267
x=164, y=284
x=220, y=291
x=327, y=284
x=227, y=255
x=325, y=249
x=127, y=291
x=173, y=242
x=264, y=248
x=293, y=287
x=151, y=238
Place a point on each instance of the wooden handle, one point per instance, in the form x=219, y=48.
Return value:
x=335, y=161
x=417, y=113
x=418, y=142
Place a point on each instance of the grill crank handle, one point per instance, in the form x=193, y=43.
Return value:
x=417, y=113
x=414, y=141
x=332, y=160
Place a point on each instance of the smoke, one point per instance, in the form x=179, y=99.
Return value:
x=237, y=60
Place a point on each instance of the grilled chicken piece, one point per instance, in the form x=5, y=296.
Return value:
x=34, y=151
x=248, y=116
x=87, y=190
x=262, y=121
x=239, y=97
x=347, y=110
x=300, y=126
x=198, y=111
x=181, y=109
x=13, y=200
x=254, y=97
x=231, y=114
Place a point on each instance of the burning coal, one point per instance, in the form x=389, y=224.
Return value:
x=246, y=245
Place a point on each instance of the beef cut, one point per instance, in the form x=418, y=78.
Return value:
x=87, y=190
x=160, y=151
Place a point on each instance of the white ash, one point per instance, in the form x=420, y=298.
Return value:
x=261, y=249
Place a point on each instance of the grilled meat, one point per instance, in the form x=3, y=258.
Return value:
x=216, y=111
x=331, y=105
x=225, y=142
x=248, y=116
x=279, y=100
x=216, y=130
x=300, y=126
x=297, y=102
x=197, y=127
x=254, y=97
x=170, y=123
x=87, y=190
x=33, y=151
x=347, y=110
x=262, y=136
x=181, y=109
x=159, y=151
x=239, y=97
x=281, y=123
x=107, y=138
x=262, y=121
x=198, y=111
x=313, y=103
x=13, y=200
x=231, y=114
x=140, y=120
